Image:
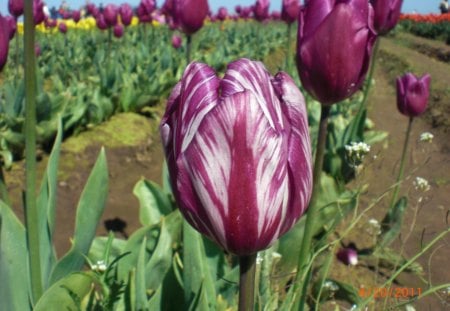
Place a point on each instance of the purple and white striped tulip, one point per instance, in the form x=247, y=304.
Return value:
x=239, y=154
x=4, y=41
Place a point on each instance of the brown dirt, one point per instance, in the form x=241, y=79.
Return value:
x=129, y=163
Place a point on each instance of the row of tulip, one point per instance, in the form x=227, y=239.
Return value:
x=432, y=26
x=240, y=168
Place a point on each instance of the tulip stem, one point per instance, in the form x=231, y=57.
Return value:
x=188, y=48
x=313, y=209
x=402, y=164
x=288, y=48
x=31, y=212
x=247, y=272
x=17, y=55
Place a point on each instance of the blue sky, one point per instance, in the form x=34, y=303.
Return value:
x=420, y=6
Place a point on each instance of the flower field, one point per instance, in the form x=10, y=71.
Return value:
x=170, y=158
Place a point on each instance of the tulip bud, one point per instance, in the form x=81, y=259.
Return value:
x=118, y=31
x=4, y=41
x=334, y=45
x=239, y=153
x=261, y=10
x=290, y=10
x=413, y=94
x=222, y=14
x=100, y=22
x=110, y=14
x=386, y=14
x=12, y=26
x=76, y=16
x=126, y=14
x=38, y=12
x=15, y=7
x=176, y=41
x=62, y=27
x=190, y=14
x=348, y=256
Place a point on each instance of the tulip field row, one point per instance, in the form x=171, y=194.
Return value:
x=432, y=26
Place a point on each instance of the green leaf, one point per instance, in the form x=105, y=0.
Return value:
x=14, y=290
x=153, y=202
x=89, y=210
x=391, y=225
x=141, y=296
x=98, y=247
x=67, y=294
x=197, y=279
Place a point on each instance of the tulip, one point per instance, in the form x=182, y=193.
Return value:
x=348, y=256
x=413, y=94
x=50, y=23
x=261, y=10
x=110, y=14
x=4, y=41
x=62, y=27
x=76, y=16
x=386, y=14
x=12, y=26
x=15, y=7
x=38, y=12
x=290, y=10
x=238, y=152
x=190, y=14
x=238, y=9
x=126, y=14
x=100, y=22
x=144, y=10
x=37, y=50
x=118, y=31
x=222, y=14
x=176, y=41
x=335, y=40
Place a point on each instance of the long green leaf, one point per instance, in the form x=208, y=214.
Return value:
x=89, y=210
x=141, y=295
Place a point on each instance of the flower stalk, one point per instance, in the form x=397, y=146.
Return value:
x=188, y=48
x=247, y=272
x=31, y=213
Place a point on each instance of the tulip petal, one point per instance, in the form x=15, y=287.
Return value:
x=244, y=74
x=4, y=41
x=236, y=168
x=315, y=13
x=299, y=154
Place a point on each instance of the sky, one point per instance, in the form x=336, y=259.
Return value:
x=409, y=6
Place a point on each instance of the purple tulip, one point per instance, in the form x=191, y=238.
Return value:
x=176, y=41
x=413, y=94
x=62, y=27
x=144, y=11
x=4, y=41
x=50, y=23
x=348, y=256
x=386, y=14
x=37, y=49
x=100, y=22
x=38, y=11
x=290, y=10
x=110, y=14
x=126, y=14
x=12, y=26
x=15, y=8
x=190, y=14
x=335, y=40
x=118, y=31
x=91, y=9
x=261, y=10
x=76, y=16
x=159, y=17
x=238, y=9
x=222, y=14
x=238, y=152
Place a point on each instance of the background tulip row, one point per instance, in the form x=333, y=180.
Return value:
x=430, y=26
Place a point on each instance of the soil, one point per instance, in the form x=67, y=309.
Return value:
x=138, y=154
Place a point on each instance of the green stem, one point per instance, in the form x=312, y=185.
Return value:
x=288, y=48
x=402, y=164
x=3, y=189
x=312, y=214
x=31, y=213
x=17, y=55
x=188, y=48
x=247, y=268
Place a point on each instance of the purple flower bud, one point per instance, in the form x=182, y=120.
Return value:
x=348, y=256
x=37, y=50
x=4, y=41
x=76, y=16
x=100, y=21
x=222, y=14
x=110, y=14
x=238, y=152
x=290, y=10
x=176, y=41
x=12, y=26
x=413, y=94
x=144, y=11
x=386, y=14
x=92, y=9
x=50, y=23
x=335, y=40
x=126, y=14
x=118, y=31
x=190, y=14
x=238, y=9
x=261, y=10
x=62, y=27
x=38, y=11
x=15, y=7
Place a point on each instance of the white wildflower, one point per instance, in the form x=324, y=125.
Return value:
x=426, y=136
x=421, y=184
x=374, y=227
x=99, y=266
x=330, y=285
x=410, y=308
x=259, y=259
x=357, y=151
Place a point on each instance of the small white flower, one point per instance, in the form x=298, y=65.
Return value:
x=259, y=259
x=426, y=136
x=374, y=227
x=421, y=184
x=410, y=308
x=357, y=151
x=330, y=285
x=276, y=255
x=99, y=266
